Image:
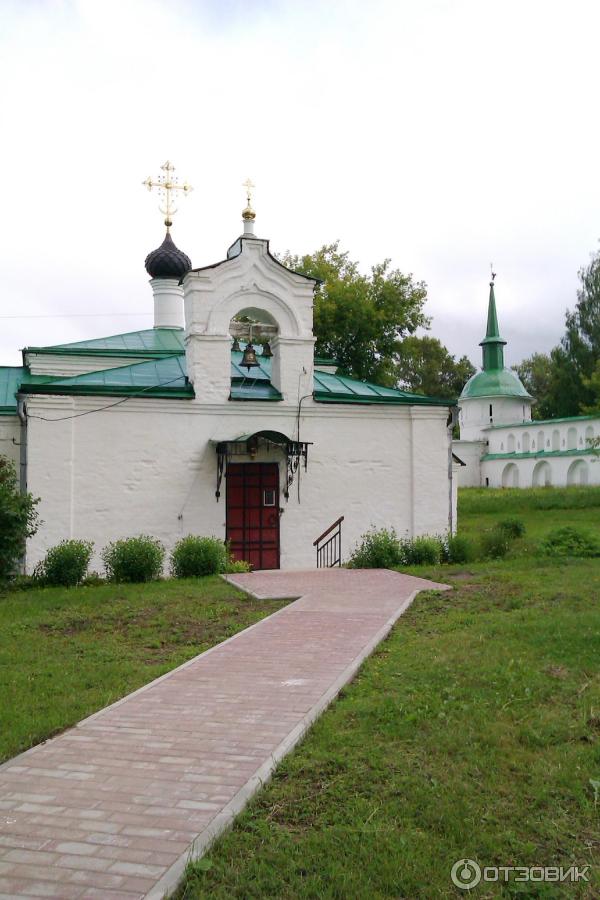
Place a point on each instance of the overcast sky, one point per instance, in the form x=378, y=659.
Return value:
x=442, y=134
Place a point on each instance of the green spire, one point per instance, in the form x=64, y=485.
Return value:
x=492, y=344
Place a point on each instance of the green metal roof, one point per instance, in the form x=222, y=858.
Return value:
x=160, y=378
x=165, y=375
x=331, y=388
x=494, y=383
x=151, y=341
x=495, y=380
x=11, y=378
x=540, y=454
x=248, y=389
x=535, y=422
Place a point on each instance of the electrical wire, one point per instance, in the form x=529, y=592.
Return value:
x=79, y=315
x=88, y=412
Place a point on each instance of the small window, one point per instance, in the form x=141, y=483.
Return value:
x=269, y=498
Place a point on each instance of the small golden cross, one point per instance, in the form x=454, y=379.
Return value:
x=166, y=184
x=248, y=185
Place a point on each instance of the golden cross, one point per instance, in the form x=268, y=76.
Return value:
x=248, y=185
x=166, y=184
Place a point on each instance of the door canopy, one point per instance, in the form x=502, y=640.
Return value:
x=294, y=452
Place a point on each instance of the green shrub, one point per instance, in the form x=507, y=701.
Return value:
x=494, y=543
x=459, y=549
x=134, y=559
x=569, y=541
x=66, y=564
x=377, y=549
x=18, y=519
x=512, y=528
x=421, y=551
x=238, y=565
x=195, y=556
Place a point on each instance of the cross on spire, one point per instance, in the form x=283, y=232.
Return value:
x=248, y=214
x=167, y=184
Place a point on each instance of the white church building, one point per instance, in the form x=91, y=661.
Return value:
x=181, y=429
x=501, y=445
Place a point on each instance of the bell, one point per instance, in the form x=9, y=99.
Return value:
x=249, y=359
x=267, y=352
x=235, y=347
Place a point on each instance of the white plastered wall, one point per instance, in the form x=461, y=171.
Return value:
x=557, y=472
x=470, y=452
x=70, y=364
x=474, y=414
x=10, y=439
x=149, y=466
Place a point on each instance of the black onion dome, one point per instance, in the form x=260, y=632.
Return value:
x=167, y=261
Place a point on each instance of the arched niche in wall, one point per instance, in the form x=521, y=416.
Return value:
x=510, y=476
x=578, y=472
x=542, y=475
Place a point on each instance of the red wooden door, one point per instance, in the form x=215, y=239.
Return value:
x=253, y=513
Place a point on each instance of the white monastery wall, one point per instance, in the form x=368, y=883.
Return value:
x=544, y=437
x=10, y=439
x=558, y=453
x=558, y=471
x=470, y=452
x=150, y=466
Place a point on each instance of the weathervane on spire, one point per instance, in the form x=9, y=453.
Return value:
x=167, y=184
x=493, y=274
x=248, y=213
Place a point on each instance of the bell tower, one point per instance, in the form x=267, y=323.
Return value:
x=249, y=282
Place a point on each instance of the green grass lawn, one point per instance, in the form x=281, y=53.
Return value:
x=65, y=653
x=474, y=731
x=541, y=509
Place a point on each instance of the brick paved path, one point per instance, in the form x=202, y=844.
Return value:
x=113, y=808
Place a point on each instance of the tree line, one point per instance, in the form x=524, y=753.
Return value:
x=368, y=323
x=566, y=381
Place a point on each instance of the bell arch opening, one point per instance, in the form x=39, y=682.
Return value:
x=256, y=305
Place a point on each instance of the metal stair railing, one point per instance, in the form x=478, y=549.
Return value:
x=329, y=552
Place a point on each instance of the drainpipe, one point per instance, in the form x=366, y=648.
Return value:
x=22, y=414
x=452, y=419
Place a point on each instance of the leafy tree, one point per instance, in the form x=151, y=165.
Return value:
x=574, y=361
x=18, y=519
x=360, y=320
x=536, y=373
x=426, y=367
x=592, y=384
